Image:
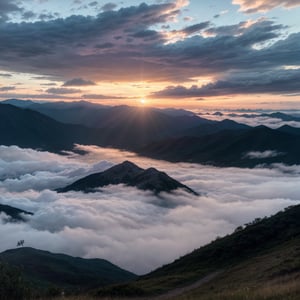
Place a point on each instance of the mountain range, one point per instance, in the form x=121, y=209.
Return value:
x=130, y=174
x=231, y=148
x=164, y=134
x=29, y=129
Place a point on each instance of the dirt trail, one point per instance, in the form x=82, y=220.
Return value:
x=185, y=289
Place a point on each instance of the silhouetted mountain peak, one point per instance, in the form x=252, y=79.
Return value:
x=129, y=174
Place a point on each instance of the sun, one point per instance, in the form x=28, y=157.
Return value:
x=143, y=101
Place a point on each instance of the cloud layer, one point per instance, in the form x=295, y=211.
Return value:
x=134, y=42
x=134, y=229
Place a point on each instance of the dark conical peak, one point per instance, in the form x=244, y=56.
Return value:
x=128, y=163
x=152, y=171
x=125, y=166
x=130, y=174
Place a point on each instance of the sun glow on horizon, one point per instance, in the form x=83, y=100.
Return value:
x=142, y=101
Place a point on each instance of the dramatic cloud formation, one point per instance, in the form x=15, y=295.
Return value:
x=250, y=6
x=280, y=82
x=134, y=229
x=102, y=49
x=151, y=43
x=99, y=45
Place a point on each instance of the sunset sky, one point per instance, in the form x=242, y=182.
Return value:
x=190, y=54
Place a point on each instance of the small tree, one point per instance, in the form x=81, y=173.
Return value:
x=20, y=243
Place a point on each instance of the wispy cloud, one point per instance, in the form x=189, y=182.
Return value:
x=249, y=6
x=263, y=154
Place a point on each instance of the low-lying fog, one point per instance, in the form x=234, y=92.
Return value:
x=132, y=228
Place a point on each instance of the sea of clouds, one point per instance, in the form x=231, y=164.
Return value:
x=134, y=229
x=252, y=118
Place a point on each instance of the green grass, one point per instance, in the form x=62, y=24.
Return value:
x=272, y=275
x=242, y=249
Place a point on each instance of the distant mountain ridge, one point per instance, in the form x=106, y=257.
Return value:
x=130, y=174
x=231, y=148
x=30, y=129
x=43, y=268
x=16, y=214
x=152, y=133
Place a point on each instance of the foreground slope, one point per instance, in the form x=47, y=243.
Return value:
x=274, y=240
x=130, y=174
x=43, y=268
x=272, y=275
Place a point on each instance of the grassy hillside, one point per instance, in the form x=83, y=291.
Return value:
x=264, y=251
x=273, y=275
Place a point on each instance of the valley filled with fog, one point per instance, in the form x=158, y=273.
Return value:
x=134, y=229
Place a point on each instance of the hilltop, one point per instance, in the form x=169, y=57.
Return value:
x=43, y=269
x=130, y=174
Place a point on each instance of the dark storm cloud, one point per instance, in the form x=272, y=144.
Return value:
x=8, y=6
x=54, y=45
x=195, y=28
x=279, y=82
x=109, y=6
x=79, y=82
x=28, y=15
x=229, y=30
x=119, y=45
